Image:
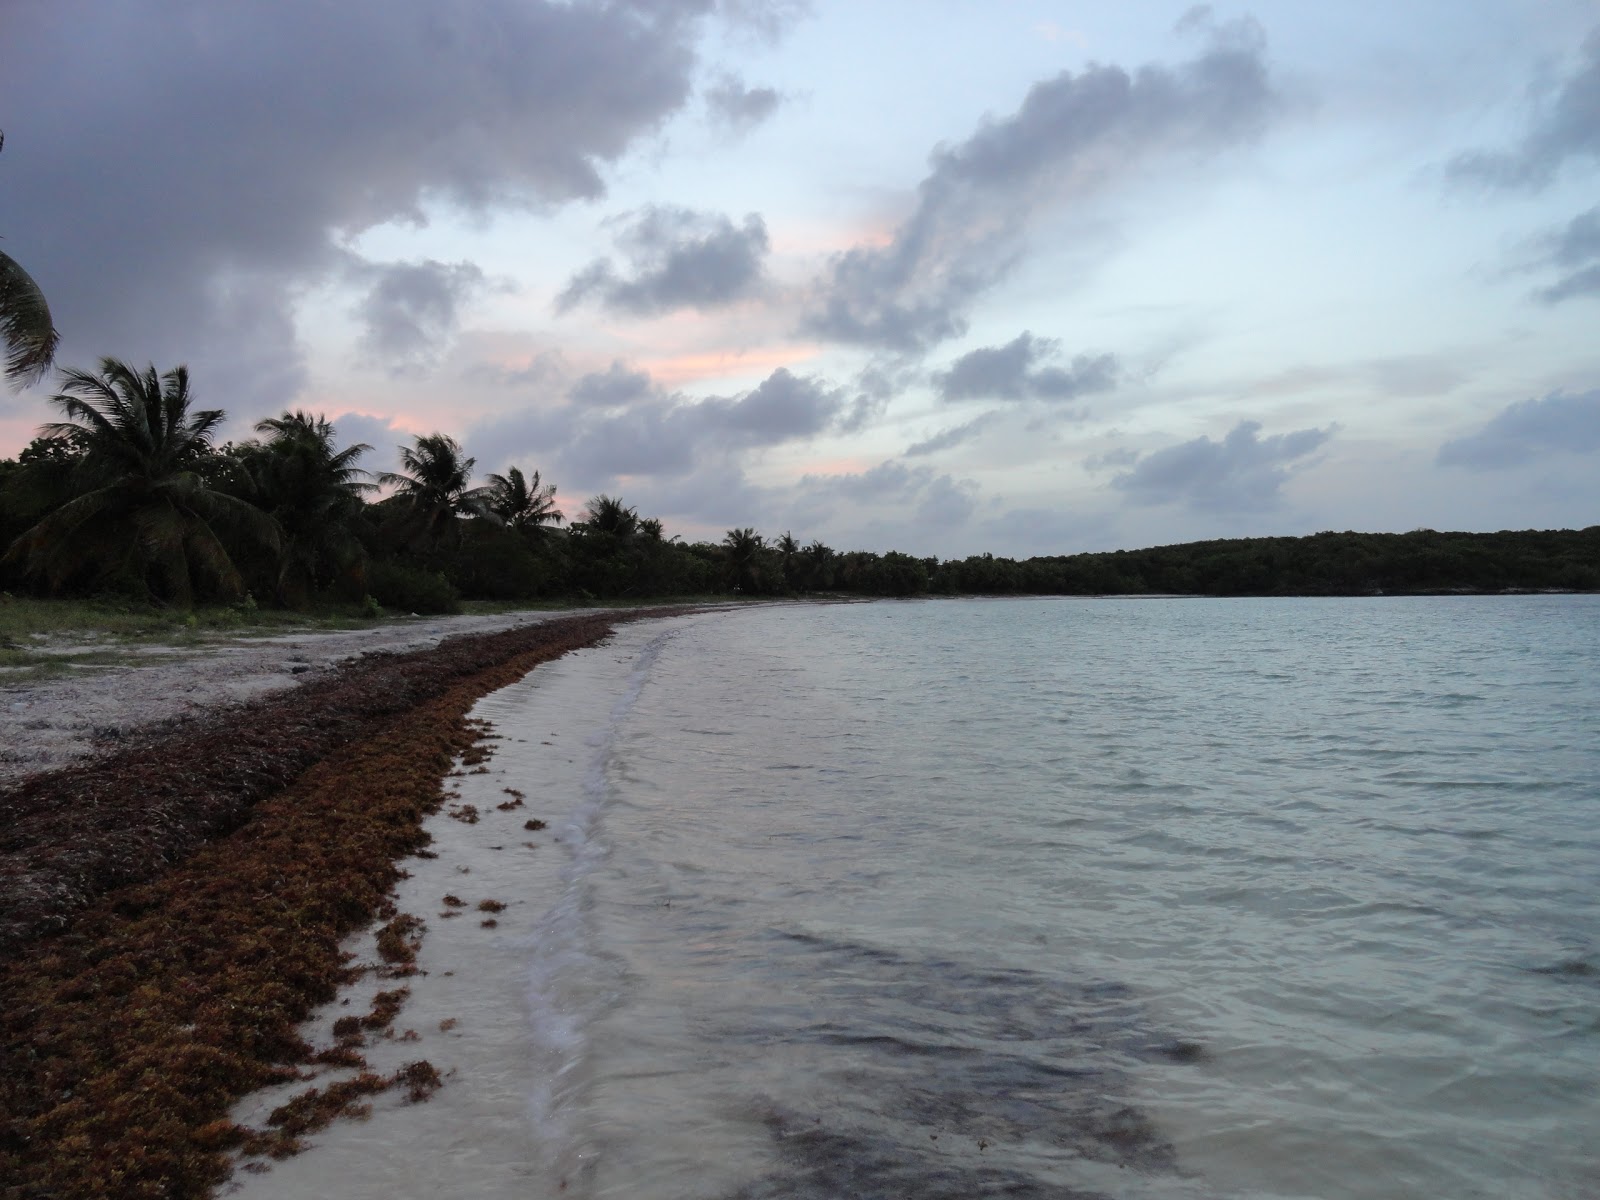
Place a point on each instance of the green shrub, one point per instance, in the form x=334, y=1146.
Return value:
x=411, y=589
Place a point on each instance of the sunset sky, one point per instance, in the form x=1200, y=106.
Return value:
x=1024, y=277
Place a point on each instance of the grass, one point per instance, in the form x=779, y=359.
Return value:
x=25, y=618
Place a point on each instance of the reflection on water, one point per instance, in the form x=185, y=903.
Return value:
x=1075, y=898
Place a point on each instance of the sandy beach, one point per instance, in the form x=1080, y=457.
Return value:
x=203, y=950
x=56, y=722
x=476, y=1008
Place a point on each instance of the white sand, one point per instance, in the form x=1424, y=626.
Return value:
x=50, y=724
x=497, y=1128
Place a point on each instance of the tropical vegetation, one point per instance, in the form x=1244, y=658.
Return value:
x=28, y=336
x=128, y=495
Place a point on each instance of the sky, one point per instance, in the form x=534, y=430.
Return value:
x=1021, y=277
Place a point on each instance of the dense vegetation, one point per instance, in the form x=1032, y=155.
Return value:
x=128, y=495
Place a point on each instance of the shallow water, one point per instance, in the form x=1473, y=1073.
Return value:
x=1123, y=898
x=1040, y=898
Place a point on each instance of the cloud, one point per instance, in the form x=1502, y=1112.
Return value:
x=947, y=504
x=679, y=259
x=1576, y=251
x=739, y=108
x=1008, y=373
x=177, y=212
x=1529, y=430
x=954, y=436
x=1241, y=472
x=618, y=423
x=1566, y=126
x=1074, y=135
x=352, y=429
x=412, y=308
x=904, y=507
x=1117, y=456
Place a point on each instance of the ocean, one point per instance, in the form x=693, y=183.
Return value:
x=1257, y=898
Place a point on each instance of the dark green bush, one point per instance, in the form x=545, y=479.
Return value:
x=411, y=589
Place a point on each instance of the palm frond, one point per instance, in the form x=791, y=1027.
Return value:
x=27, y=332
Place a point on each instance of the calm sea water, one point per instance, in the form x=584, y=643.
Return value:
x=1070, y=898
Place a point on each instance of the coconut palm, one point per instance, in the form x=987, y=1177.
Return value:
x=27, y=334
x=609, y=515
x=433, y=490
x=142, y=509
x=744, y=548
x=817, y=559
x=524, y=504
x=788, y=557
x=313, y=491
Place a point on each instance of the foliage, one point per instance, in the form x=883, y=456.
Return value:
x=433, y=491
x=315, y=493
x=28, y=334
x=129, y=496
x=412, y=589
x=523, y=504
x=141, y=514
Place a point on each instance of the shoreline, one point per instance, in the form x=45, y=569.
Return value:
x=488, y=1005
x=285, y=819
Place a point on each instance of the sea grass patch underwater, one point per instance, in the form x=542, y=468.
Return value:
x=126, y=1036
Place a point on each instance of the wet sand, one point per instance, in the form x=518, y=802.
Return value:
x=473, y=1011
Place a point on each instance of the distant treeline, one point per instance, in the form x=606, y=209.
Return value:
x=127, y=495
x=1323, y=564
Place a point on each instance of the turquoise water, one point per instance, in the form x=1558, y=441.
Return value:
x=1061, y=898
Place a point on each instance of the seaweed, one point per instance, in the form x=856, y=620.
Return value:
x=171, y=914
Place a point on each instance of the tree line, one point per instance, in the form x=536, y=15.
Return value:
x=128, y=494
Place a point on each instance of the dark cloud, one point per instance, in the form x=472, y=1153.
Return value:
x=678, y=259
x=1243, y=471
x=1528, y=431
x=954, y=436
x=1010, y=372
x=177, y=173
x=411, y=309
x=618, y=423
x=1072, y=135
x=1565, y=126
x=740, y=108
x=1575, y=251
x=615, y=387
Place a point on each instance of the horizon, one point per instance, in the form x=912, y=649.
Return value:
x=1051, y=280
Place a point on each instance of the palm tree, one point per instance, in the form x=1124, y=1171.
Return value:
x=818, y=558
x=608, y=514
x=142, y=508
x=432, y=490
x=27, y=334
x=788, y=551
x=522, y=504
x=313, y=491
x=744, y=548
